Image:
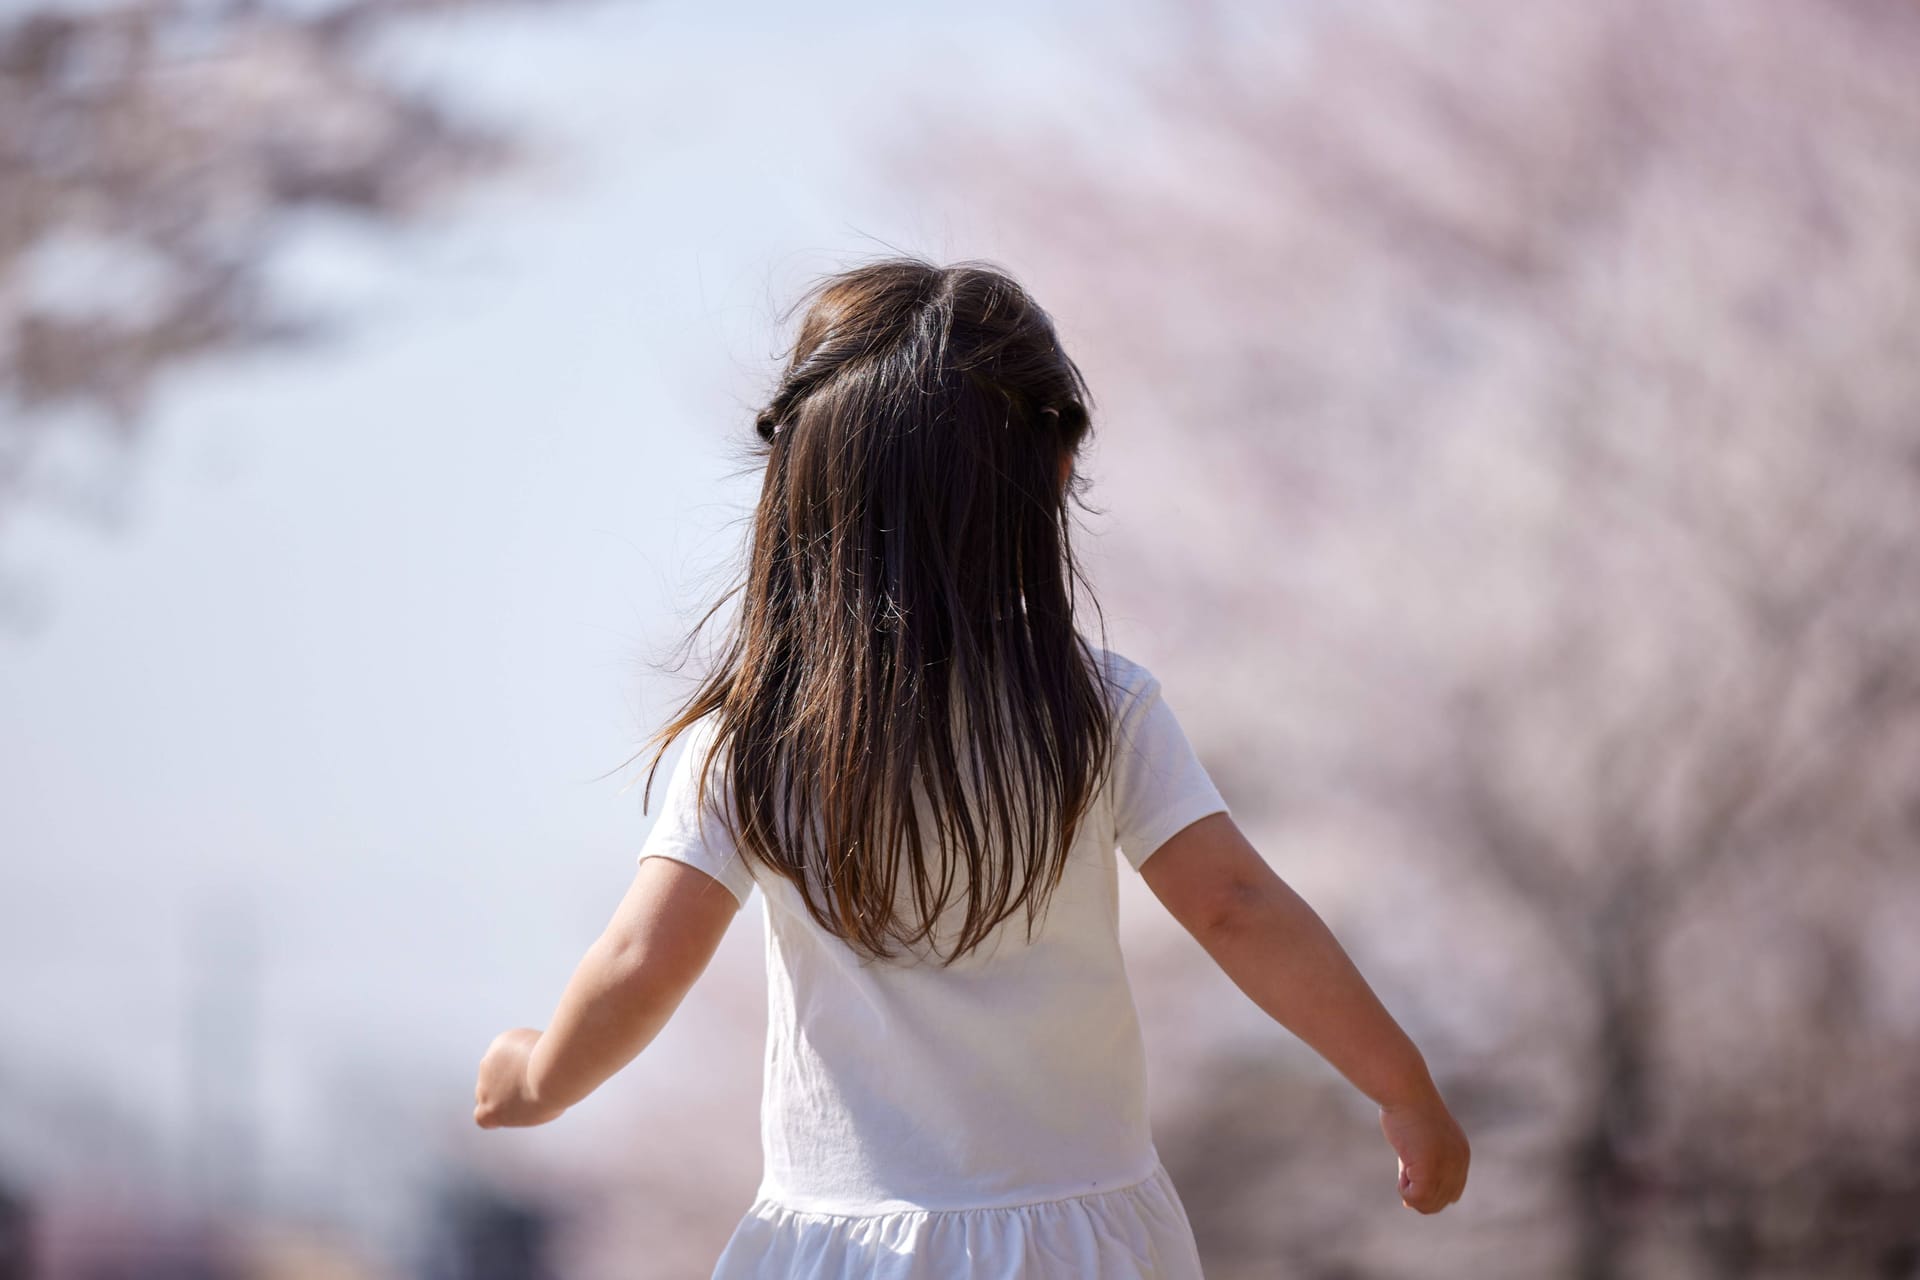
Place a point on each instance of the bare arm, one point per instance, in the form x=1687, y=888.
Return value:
x=1279, y=952
x=625, y=989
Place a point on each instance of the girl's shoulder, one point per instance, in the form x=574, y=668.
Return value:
x=1128, y=683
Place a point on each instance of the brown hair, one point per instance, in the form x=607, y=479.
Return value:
x=906, y=621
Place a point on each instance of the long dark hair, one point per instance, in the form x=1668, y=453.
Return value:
x=906, y=625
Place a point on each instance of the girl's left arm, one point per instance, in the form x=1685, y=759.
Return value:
x=633, y=977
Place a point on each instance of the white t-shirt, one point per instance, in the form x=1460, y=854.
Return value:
x=1013, y=1077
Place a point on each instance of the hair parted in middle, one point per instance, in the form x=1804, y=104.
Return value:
x=906, y=634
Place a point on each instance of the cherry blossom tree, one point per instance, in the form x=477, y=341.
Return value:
x=1520, y=447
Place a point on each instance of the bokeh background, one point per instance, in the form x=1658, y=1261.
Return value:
x=1507, y=454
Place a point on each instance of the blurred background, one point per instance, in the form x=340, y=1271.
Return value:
x=1507, y=453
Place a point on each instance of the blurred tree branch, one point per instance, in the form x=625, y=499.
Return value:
x=150, y=153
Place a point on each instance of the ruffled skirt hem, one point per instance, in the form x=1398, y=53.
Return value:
x=1135, y=1232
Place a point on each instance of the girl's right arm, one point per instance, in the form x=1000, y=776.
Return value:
x=1282, y=955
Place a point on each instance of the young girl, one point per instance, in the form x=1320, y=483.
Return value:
x=926, y=769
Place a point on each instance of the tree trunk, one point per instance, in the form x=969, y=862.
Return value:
x=1605, y=1182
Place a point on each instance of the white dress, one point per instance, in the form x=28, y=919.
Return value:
x=984, y=1120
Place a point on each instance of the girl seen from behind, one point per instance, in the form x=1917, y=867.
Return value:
x=911, y=749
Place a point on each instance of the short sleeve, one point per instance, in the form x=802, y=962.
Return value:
x=1159, y=784
x=692, y=831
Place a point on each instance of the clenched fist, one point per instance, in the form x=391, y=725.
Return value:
x=501, y=1098
x=1433, y=1153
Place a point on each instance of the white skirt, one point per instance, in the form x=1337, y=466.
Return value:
x=1136, y=1232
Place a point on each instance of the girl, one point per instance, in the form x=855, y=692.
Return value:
x=913, y=753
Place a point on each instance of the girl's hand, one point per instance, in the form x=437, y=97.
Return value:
x=1433, y=1152
x=501, y=1098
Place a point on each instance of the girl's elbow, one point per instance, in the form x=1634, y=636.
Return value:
x=1237, y=908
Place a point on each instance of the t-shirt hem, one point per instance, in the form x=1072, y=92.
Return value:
x=1172, y=821
x=698, y=863
x=799, y=1206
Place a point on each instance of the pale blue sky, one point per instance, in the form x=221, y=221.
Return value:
x=373, y=630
